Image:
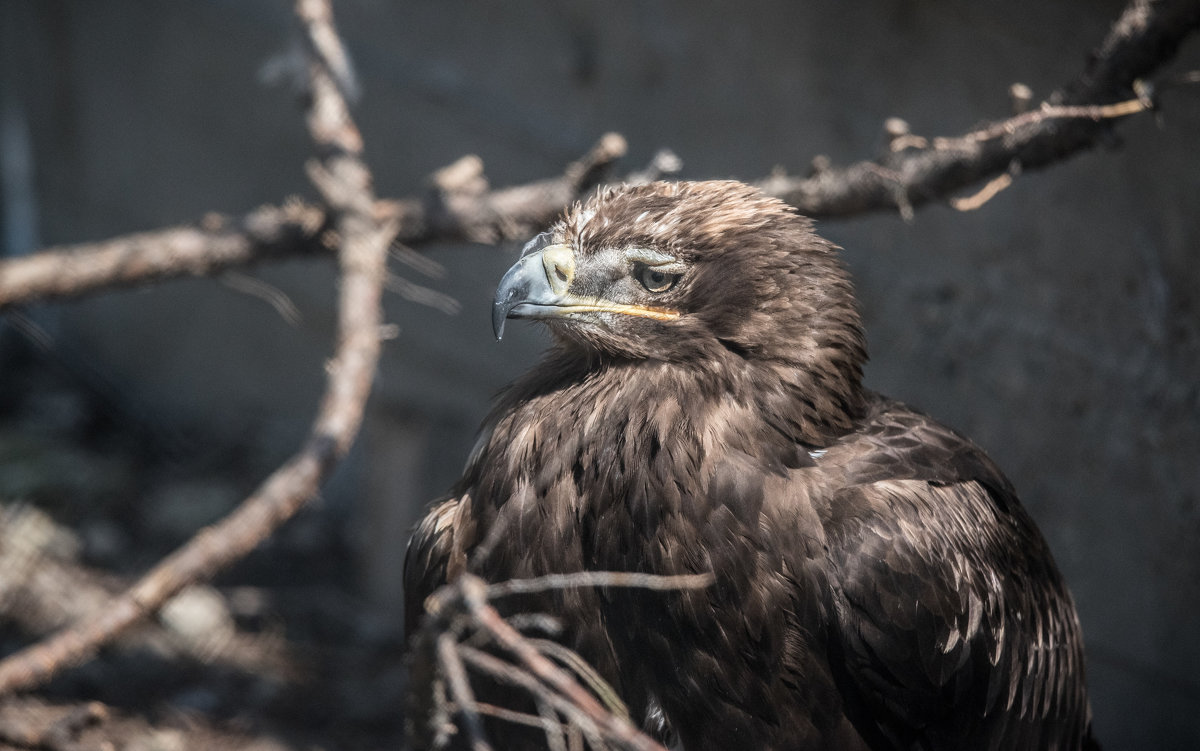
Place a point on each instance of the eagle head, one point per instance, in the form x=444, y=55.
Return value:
x=686, y=271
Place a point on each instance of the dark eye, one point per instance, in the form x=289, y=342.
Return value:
x=655, y=280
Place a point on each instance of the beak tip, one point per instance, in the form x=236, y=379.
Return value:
x=525, y=282
x=499, y=316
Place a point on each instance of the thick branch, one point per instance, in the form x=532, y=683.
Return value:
x=1145, y=37
x=345, y=183
x=215, y=244
x=294, y=230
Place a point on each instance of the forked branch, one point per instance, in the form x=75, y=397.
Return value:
x=345, y=184
x=460, y=616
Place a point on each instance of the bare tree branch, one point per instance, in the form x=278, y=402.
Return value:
x=345, y=183
x=1146, y=36
x=506, y=672
x=296, y=229
x=215, y=244
x=463, y=608
x=460, y=206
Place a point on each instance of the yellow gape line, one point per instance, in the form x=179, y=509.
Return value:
x=596, y=305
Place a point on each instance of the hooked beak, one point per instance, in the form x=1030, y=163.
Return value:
x=535, y=287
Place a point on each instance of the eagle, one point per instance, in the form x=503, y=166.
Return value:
x=876, y=582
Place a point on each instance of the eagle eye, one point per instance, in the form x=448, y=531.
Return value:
x=656, y=280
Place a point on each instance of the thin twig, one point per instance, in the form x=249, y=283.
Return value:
x=460, y=690
x=510, y=715
x=422, y=295
x=463, y=609
x=475, y=592
x=588, y=674
x=547, y=624
x=419, y=263
x=630, y=579
x=553, y=728
x=508, y=673
x=1095, y=113
x=985, y=194
x=268, y=293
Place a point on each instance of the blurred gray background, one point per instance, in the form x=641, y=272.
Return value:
x=1059, y=325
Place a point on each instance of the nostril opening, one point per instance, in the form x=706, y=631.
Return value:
x=562, y=275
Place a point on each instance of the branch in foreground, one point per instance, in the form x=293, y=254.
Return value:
x=345, y=183
x=1146, y=36
x=459, y=615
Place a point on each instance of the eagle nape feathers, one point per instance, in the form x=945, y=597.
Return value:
x=877, y=583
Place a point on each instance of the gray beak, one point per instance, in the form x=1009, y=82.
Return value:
x=535, y=287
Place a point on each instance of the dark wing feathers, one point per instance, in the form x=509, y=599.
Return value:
x=934, y=580
x=431, y=556
x=938, y=573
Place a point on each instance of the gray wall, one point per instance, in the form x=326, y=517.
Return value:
x=1058, y=325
